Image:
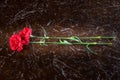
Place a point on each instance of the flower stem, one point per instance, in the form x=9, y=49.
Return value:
x=69, y=41
x=83, y=43
x=95, y=37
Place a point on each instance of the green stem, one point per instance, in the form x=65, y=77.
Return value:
x=96, y=37
x=84, y=43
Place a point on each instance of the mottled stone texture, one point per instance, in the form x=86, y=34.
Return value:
x=60, y=18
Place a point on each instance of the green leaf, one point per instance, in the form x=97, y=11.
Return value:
x=89, y=50
x=75, y=38
x=64, y=42
x=42, y=42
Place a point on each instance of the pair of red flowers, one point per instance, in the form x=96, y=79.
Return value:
x=18, y=40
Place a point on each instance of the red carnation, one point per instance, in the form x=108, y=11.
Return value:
x=16, y=42
x=25, y=35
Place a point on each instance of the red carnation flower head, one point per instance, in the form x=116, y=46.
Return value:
x=25, y=35
x=16, y=42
